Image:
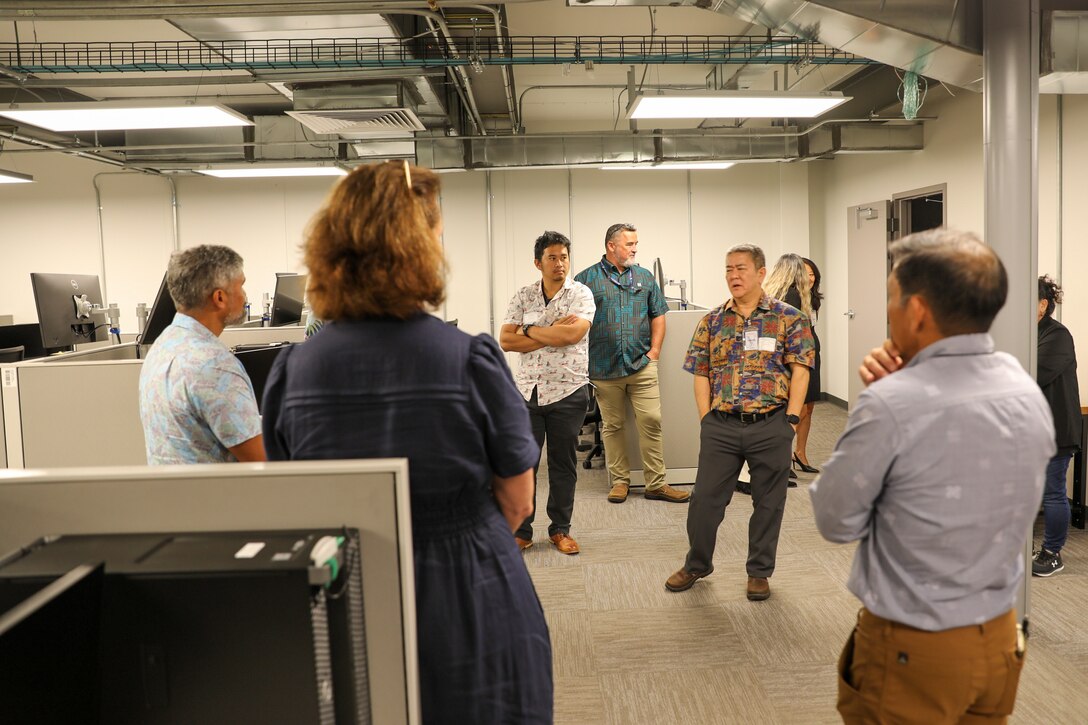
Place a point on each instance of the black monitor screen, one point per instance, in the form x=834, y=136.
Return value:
x=54, y=296
x=287, y=303
x=161, y=315
x=28, y=335
x=49, y=644
x=257, y=360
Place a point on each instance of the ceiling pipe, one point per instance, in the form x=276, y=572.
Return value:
x=82, y=153
x=507, y=75
x=166, y=9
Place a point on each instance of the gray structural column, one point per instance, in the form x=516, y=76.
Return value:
x=1010, y=131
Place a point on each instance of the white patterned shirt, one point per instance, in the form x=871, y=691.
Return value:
x=555, y=372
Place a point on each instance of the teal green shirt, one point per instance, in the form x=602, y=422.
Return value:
x=626, y=302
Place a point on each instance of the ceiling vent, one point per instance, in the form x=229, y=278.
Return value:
x=360, y=122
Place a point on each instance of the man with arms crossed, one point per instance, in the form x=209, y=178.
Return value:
x=938, y=475
x=751, y=359
x=196, y=401
x=547, y=322
x=624, y=344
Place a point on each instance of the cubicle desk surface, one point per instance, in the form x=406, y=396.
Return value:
x=371, y=496
x=233, y=336
x=1077, y=503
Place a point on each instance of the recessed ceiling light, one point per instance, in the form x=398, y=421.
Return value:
x=732, y=104
x=121, y=116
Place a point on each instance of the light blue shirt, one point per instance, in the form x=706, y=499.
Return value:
x=939, y=474
x=196, y=401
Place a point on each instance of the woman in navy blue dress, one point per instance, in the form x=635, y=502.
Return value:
x=383, y=378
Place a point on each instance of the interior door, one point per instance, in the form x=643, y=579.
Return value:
x=867, y=283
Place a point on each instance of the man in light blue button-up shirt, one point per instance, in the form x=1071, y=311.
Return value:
x=196, y=401
x=938, y=476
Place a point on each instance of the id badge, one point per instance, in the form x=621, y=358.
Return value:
x=751, y=340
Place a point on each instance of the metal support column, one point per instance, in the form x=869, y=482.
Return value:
x=1010, y=146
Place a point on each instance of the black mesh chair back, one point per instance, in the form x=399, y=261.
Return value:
x=12, y=354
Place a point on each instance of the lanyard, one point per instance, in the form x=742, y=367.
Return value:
x=618, y=279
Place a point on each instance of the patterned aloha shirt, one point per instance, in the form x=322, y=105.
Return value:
x=626, y=302
x=555, y=372
x=748, y=361
x=196, y=401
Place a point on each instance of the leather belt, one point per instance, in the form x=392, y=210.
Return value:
x=754, y=417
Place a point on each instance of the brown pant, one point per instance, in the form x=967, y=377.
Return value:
x=645, y=396
x=892, y=673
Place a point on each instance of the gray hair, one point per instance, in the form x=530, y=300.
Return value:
x=616, y=229
x=194, y=274
x=758, y=258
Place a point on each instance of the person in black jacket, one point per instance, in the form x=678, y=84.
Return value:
x=1057, y=376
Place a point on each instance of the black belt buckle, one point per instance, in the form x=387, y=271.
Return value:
x=748, y=418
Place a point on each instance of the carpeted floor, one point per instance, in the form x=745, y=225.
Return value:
x=627, y=651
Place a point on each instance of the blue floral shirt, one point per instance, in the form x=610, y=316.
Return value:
x=196, y=401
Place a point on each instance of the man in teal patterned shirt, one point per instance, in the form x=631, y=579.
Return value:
x=751, y=359
x=624, y=344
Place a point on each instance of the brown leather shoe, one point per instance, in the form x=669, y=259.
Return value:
x=668, y=493
x=683, y=580
x=523, y=544
x=564, y=543
x=758, y=588
x=618, y=494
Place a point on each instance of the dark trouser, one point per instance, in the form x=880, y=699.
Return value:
x=724, y=445
x=1056, y=503
x=559, y=423
x=892, y=673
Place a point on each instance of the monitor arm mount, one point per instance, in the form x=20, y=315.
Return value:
x=97, y=315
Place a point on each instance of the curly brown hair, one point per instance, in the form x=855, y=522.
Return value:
x=372, y=250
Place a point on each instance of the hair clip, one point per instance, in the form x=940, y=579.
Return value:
x=408, y=174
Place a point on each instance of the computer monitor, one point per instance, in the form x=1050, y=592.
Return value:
x=287, y=302
x=28, y=335
x=257, y=360
x=161, y=315
x=55, y=296
x=49, y=646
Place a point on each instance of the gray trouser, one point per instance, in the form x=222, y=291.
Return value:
x=724, y=445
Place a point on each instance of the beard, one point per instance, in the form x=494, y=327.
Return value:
x=236, y=319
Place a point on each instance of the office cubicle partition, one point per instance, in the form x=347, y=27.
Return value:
x=371, y=496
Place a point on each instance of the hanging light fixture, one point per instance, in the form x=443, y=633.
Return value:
x=14, y=177
x=122, y=115
x=664, y=104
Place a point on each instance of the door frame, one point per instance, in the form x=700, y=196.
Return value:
x=899, y=202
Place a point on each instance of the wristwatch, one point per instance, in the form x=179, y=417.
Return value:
x=793, y=419
x=525, y=330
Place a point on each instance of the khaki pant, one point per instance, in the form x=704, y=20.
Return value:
x=645, y=396
x=892, y=673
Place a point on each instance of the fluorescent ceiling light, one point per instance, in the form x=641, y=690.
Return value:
x=121, y=116
x=732, y=104
x=14, y=177
x=255, y=171
x=666, y=165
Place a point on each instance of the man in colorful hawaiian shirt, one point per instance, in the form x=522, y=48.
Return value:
x=751, y=358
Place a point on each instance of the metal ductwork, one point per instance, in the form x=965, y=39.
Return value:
x=941, y=39
x=376, y=109
x=1063, y=67
x=595, y=150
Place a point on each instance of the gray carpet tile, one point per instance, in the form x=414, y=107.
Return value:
x=629, y=652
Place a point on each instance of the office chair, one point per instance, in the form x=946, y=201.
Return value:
x=593, y=418
x=12, y=354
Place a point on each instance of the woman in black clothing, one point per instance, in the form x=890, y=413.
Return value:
x=1057, y=376
x=800, y=456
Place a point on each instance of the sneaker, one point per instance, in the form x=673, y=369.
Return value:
x=1046, y=563
x=667, y=493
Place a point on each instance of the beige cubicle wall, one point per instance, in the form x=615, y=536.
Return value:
x=371, y=496
x=233, y=336
x=679, y=415
x=72, y=413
